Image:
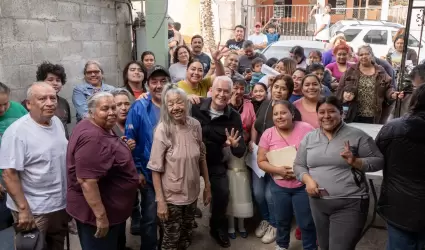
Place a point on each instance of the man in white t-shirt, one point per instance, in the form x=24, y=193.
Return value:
x=34, y=164
x=259, y=39
x=323, y=22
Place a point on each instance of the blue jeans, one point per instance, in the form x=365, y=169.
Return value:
x=89, y=242
x=263, y=197
x=398, y=239
x=148, y=223
x=288, y=201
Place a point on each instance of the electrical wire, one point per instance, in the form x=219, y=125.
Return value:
x=163, y=19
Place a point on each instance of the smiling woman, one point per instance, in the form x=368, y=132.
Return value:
x=311, y=89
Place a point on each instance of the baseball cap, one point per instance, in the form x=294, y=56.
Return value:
x=158, y=69
x=257, y=24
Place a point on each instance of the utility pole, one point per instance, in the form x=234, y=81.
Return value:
x=157, y=30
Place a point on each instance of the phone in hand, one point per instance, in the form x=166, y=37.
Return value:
x=323, y=192
x=248, y=70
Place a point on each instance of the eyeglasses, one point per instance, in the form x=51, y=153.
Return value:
x=96, y=72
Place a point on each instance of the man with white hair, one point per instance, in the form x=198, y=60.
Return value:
x=34, y=167
x=221, y=127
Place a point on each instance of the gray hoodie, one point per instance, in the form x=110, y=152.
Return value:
x=320, y=157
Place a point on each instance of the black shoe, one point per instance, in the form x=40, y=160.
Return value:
x=198, y=213
x=221, y=238
x=135, y=227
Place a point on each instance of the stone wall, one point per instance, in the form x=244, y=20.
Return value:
x=69, y=32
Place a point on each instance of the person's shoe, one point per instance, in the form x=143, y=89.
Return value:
x=232, y=236
x=270, y=235
x=198, y=213
x=135, y=227
x=221, y=238
x=281, y=248
x=243, y=234
x=261, y=229
x=298, y=233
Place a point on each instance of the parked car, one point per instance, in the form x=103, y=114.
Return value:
x=280, y=49
x=378, y=34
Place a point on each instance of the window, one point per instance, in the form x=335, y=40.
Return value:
x=413, y=42
x=350, y=34
x=282, y=8
x=376, y=37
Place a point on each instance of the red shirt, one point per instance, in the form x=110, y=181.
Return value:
x=93, y=153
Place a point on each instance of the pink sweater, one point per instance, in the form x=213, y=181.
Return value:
x=306, y=116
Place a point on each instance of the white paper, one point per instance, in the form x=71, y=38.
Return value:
x=282, y=157
x=251, y=161
x=269, y=71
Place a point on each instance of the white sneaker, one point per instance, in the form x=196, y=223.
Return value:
x=270, y=235
x=281, y=248
x=261, y=229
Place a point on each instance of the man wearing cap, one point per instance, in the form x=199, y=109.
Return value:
x=34, y=167
x=141, y=122
x=258, y=38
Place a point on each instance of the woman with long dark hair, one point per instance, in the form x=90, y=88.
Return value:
x=134, y=76
x=148, y=59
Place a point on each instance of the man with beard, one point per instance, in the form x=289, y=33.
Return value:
x=197, y=44
x=221, y=127
x=35, y=169
x=245, y=61
x=141, y=122
x=236, y=43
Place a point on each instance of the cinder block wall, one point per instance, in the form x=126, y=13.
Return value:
x=69, y=32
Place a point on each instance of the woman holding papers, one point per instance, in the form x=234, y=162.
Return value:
x=277, y=150
x=281, y=89
x=331, y=161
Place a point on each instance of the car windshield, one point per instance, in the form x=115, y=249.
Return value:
x=280, y=52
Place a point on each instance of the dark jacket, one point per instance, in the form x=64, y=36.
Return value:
x=246, y=62
x=388, y=68
x=382, y=89
x=351, y=114
x=402, y=200
x=410, y=55
x=214, y=134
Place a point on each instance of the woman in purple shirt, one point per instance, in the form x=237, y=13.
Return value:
x=289, y=194
x=101, y=189
x=341, y=65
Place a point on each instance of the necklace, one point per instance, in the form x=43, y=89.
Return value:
x=283, y=138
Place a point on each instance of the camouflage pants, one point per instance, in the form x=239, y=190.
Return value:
x=178, y=227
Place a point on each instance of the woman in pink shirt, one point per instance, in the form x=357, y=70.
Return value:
x=289, y=194
x=311, y=89
x=338, y=68
x=177, y=159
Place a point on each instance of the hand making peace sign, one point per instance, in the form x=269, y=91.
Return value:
x=347, y=154
x=219, y=52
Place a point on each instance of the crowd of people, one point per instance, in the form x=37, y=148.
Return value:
x=138, y=151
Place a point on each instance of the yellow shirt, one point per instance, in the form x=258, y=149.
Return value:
x=202, y=89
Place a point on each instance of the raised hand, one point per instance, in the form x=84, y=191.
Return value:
x=347, y=154
x=232, y=138
x=219, y=52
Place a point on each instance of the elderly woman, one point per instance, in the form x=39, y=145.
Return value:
x=101, y=189
x=331, y=162
x=177, y=159
x=240, y=200
x=182, y=56
x=281, y=89
x=134, y=76
x=93, y=83
x=148, y=59
x=311, y=89
x=373, y=86
x=194, y=84
x=289, y=194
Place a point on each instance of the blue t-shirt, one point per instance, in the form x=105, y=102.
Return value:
x=293, y=98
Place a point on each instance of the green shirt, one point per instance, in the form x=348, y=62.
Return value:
x=13, y=113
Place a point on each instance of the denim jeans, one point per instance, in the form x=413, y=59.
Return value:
x=263, y=197
x=148, y=222
x=398, y=239
x=288, y=201
x=89, y=242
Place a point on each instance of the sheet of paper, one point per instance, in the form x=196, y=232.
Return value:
x=282, y=157
x=251, y=161
x=269, y=71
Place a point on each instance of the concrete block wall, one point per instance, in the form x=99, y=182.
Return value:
x=68, y=32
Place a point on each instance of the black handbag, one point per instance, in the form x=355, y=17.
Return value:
x=30, y=240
